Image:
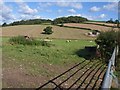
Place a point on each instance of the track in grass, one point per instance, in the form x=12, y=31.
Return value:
x=86, y=74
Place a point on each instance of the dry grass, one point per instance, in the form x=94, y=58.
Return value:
x=36, y=30
x=91, y=26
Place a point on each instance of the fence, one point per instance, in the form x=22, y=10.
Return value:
x=109, y=73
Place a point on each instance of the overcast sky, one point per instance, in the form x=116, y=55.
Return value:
x=14, y=11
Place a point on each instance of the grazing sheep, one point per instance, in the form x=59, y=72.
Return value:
x=68, y=40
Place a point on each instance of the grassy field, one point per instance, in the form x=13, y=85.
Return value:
x=31, y=66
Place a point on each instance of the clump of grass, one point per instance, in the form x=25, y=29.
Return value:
x=45, y=43
x=24, y=41
x=28, y=41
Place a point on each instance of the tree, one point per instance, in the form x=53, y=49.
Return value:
x=48, y=30
x=110, y=21
x=4, y=24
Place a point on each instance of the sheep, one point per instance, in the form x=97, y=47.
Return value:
x=68, y=40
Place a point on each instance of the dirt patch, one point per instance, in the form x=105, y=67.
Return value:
x=16, y=77
x=20, y=78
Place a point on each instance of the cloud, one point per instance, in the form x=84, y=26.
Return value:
x=45, y=4
x=102, y=16
x=59, y=11
x=74, y=15
x=83, y=15
x=111, y=6
x=26, y=17
x=1, y=2
x=25, y=9
x=75, y=5
x=6, y=13
x=94, y=9
x=71, y=11
x=49, y=11
x=89, y=17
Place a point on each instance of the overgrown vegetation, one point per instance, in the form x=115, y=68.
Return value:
x=106, y=42
x=48, y=30
x=28, y=41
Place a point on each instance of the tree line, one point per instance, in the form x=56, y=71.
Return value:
x=28, y=22
x=61, y=20
x=70, y=19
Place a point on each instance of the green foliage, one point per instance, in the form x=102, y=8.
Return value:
x=48, y=30
x=118, y=38
x=70, y=19
x=45, y=43
x=30, y=22
x=107, y=41
x=22, y=40
x=29, y=41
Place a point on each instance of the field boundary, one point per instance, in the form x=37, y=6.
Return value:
x=102, y=25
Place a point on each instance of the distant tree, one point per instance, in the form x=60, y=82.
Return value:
x=4, y=24
x=110, y=21
x=48, y=30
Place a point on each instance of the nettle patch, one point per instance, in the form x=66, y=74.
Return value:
x=25, y=40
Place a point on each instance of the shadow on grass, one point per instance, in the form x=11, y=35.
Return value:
x=88, y=55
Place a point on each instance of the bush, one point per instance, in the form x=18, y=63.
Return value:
x=107, y=41
x=22, y=40
x=28, y=41
x=48, y=30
